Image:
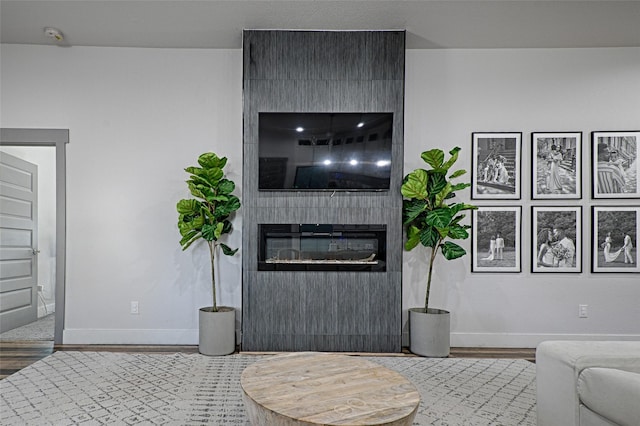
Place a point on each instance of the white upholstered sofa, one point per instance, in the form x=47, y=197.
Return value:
x=588, y=383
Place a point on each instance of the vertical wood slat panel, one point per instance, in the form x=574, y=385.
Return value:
x=318, y=71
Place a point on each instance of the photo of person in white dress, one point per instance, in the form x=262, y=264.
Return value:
x=492, y=249
x=554, y=182
x=555, y=165
x=546, y=257
x=496, y=239
x=616, y=230
x=559, y=241
x=609, y=255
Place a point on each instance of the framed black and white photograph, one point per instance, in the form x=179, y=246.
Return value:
x=615, y=232
x=556, y=160
x=495, y=239
x=496, y=159
x=614, y=162
x=556, y=239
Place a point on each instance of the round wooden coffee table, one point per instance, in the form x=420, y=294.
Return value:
x=325, y=389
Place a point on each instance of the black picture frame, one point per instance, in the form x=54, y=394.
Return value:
x=556, y=239
x=556, y=165
x=490, y=225
x=617, y=177
x=614, y=239
x=496, y=165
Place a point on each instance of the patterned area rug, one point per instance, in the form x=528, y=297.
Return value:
x=92, y=388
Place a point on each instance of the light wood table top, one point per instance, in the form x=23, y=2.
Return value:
x=311, y=388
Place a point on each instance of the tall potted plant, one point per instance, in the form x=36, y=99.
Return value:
x=432, y=220
x=207, y=217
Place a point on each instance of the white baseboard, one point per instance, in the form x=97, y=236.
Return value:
x=520, y=340
x=76, y=336
x=129, y=337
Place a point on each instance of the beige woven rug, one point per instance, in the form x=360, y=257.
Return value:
x=92, y=388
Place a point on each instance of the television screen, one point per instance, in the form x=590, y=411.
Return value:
x=324, y=151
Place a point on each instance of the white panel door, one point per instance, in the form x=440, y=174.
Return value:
x=18, y=242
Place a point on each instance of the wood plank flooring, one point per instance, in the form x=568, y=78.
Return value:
x=15, y=356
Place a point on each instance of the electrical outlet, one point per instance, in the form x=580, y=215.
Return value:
x=135, y=308
x=583, y=311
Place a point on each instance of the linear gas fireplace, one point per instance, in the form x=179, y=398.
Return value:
x=322, y=247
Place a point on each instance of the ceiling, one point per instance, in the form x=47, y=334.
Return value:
x=430, y=24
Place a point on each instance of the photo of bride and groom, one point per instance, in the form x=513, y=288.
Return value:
x=557, y=240
x=612, y=256
x=555, y=249
x=615, y=239
x=496, y=239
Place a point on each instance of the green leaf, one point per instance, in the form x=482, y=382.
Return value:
x=415, y=185
x=188, y=206
x=457, y=173
x=217, y=198
x=452, y=250
x=459, y=186
x=453, y=159
x=187, y=235
x=218, y=229
x=186, y=223
x=195, y=191
x=224, y=209
x=443, y=194
x=458, y=232
x=186, y=241
x=433, y=157
x=227, y=227
x=429, y=237
x=225, y=186
x=440, y=218
x=228, y=250
x=413, y=238
x=210, y=160
x=209, y=232
x=412, y=209
x=437, y=182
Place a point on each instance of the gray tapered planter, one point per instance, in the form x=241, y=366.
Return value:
x=217, y=331
x=429, y=332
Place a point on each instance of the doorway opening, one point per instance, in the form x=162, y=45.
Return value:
x=13, y=140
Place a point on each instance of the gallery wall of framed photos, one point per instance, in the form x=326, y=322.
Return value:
x=557, y=208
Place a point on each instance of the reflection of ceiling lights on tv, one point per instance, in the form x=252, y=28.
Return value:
x=360, y=124
x=353, y=162
x=327, y=162
x=299, y=129
x=383, y=163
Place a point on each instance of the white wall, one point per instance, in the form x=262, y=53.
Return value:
x=138, y=116
x=451, y=93
x=45, y=158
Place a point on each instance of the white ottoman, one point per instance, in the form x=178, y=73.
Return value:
x=558, y=367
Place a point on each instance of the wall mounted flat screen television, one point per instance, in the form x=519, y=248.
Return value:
x=324, y=151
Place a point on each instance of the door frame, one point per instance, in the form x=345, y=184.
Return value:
x=59, y=138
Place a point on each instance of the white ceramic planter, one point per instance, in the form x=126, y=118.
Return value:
x=429, y=332
x=217, y=331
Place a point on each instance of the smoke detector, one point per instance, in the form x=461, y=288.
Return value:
x=54, y=33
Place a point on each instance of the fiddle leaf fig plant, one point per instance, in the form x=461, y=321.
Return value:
x=207, y=215
x=428, y=216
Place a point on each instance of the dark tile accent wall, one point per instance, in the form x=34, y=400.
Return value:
x=322, y=71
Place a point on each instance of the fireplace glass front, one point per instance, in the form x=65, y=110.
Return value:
x=322, y=247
